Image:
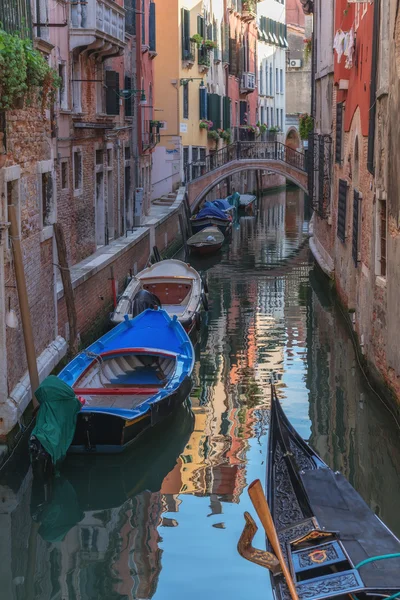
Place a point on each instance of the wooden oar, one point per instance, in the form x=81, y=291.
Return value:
x=260, y=503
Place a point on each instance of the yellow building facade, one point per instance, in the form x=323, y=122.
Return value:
x=183, y=68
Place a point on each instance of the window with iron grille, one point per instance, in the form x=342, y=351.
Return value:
x=356, y=225
x=342, y=207
x=339, y=132
x=185, y=101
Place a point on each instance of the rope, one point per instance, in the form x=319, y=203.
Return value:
x=374, y=559
x=100, y=361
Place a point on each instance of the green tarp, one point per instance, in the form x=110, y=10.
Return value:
x=56, y=419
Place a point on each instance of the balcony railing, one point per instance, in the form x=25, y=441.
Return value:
x=204, y=57
x=15, y=16
x=151, y=134
x=189, y=52
x=103, y=18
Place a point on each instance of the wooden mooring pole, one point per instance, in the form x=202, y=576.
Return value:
x=68, y=290
x=23, y=303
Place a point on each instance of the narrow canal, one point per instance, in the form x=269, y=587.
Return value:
x=163, y=521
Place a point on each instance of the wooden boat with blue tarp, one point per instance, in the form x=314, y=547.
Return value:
x=330, y=541
x=211, y=216
x=129, y=380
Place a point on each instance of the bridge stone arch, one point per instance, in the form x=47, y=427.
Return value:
x=198, y=188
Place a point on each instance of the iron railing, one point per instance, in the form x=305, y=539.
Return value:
x=319, y=166
x=245, y=151
x=15, y=17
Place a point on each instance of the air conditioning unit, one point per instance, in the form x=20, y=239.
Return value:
x=295, y=63
x=248, y=82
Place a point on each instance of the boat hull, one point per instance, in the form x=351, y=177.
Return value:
x=205, y=249
x=224, y=225
x=164, y=279
x=325, y=528
x=101, y=433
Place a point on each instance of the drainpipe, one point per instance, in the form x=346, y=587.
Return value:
x=120, y=230
x=23, y=303
x=3, y=347
x=135, y=120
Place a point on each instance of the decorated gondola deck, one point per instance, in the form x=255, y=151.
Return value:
x=332, y=543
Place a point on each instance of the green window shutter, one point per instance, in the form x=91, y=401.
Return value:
x=112, y=91
x=200, y=26
x=185, y=30
x=227, y=113
x=214, y=110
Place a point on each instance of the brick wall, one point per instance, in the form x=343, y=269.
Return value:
x=93, y=297
x=28, y=135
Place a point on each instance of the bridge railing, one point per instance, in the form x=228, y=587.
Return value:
x=271, y=150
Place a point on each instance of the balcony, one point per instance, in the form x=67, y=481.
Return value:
x=151, y=135
x=249, y=10
x=203, y=59
x=15, y=16
x=247, y=83
x=189, y=53
x=99, y=27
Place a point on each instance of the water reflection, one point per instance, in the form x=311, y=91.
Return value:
x=163, y=520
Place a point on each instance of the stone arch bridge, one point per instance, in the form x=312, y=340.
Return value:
x=202, y=176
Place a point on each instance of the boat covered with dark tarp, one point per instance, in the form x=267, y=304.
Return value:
x=210, y=215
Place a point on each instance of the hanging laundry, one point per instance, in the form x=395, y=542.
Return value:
x=349, y=48
x=338, y=44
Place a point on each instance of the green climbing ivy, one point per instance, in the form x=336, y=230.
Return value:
x=25, y=76
x=306, y=126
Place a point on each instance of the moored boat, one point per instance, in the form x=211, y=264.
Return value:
x=332, y=543
x=129, y=380
x=206, y=241
x=225, y=206
x=176, y=285
x=97, y=483
x=211, y=216
x=247, y=203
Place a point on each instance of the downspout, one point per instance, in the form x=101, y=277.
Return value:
x=121, y=230
x=135, y=157
x=3, y=333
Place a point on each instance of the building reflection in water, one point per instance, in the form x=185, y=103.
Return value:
x=105, y=529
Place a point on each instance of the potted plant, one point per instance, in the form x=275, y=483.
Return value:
x=225, y=135
x=197, y=39
x=213, y=135
x=210, y=44
x=205, y=124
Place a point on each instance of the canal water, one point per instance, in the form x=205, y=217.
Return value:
x=163, y=520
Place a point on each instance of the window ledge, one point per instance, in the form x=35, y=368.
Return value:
x=46, y=233
x=380, y=281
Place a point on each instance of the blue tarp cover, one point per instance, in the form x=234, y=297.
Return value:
x=222, y=204
x=210, y=210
